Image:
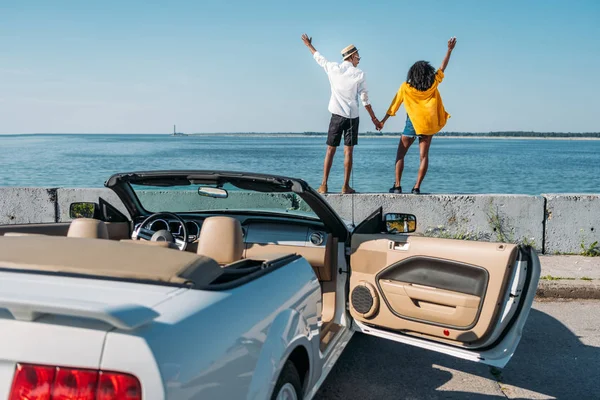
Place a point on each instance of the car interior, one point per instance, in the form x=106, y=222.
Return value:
x=233, y=242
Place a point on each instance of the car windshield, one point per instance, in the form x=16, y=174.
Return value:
x=226, y=197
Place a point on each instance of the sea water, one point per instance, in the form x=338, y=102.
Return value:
x=456, y=165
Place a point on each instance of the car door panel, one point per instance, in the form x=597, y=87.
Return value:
x=447, y=290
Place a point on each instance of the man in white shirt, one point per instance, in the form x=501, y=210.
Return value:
x=347, y=83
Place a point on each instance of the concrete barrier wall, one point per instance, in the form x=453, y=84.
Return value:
x=27, y=205
x=502, y=218
x=550, y=223
x=572, y=223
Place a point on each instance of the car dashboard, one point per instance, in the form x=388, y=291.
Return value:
x=256, y=230
x=263, y=235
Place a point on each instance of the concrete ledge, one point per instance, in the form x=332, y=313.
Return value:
x=571, y=220
x=567, y=289
x=27, y=205
x=502, y=218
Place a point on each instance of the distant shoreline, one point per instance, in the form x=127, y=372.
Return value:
x=370, y=136
x=366, y=135
x=514, y=137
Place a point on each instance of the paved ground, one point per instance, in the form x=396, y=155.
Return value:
x=558, y=358
x=574, y=277
x=573, y=267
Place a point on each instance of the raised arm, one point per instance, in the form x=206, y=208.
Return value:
x=308, y=42
x=451, y=44
x=322, y=61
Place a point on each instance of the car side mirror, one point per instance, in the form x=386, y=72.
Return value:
x=83, y=210
x=400, y=223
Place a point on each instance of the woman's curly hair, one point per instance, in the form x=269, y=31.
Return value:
x=421, y=75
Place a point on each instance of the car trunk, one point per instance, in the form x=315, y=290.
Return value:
x=62, y=321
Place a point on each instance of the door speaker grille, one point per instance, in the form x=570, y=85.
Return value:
x=364, y=299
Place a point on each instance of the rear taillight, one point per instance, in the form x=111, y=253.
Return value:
x=115, y=386
x=71, y=384
x=36, y=382
x=32, y=383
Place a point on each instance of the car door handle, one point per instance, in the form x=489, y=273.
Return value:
x=394, y=245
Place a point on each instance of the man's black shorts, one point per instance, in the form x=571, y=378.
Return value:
x=339, y=125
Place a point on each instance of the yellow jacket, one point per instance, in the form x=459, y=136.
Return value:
x=425, y=109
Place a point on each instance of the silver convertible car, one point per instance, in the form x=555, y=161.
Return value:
x=225, y=285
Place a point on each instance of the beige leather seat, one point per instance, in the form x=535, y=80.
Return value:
x=88, y=228
x=221, y=239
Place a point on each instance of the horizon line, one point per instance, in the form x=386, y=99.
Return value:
x=368, y=133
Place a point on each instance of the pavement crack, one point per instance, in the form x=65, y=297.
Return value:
x=497, y=374
x=502, y=390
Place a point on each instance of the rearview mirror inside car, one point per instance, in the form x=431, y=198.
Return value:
x=208, y=191
x=83, y=209
x=400, y=223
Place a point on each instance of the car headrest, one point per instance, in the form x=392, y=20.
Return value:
x=221, y=239
x=88, y=228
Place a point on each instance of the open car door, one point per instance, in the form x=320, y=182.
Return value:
x=467, y=299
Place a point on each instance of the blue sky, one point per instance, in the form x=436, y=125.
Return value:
x=238, y=66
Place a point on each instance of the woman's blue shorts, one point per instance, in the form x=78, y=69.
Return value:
x=409, y=129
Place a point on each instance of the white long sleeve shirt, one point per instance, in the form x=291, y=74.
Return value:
x=347, y=83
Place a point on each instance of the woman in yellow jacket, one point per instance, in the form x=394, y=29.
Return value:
x=425, y=113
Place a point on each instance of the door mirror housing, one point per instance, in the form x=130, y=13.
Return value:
x=83, y=209
x=400, y=223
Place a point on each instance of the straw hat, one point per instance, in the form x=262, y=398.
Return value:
x=348, y=51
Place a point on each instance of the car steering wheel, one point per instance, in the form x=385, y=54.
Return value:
x=162, y=235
